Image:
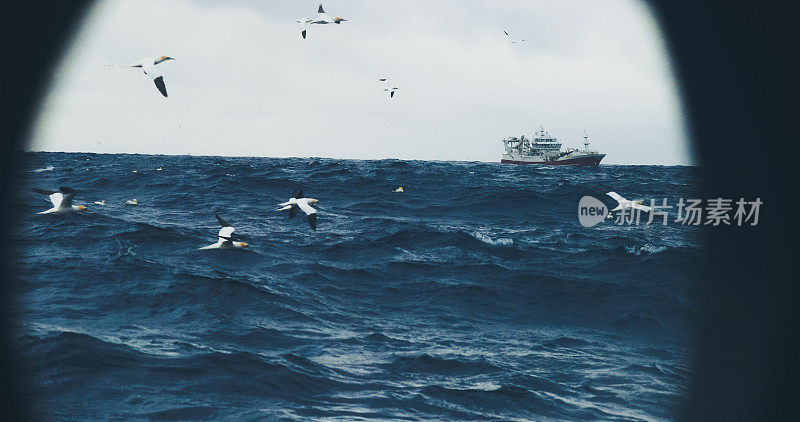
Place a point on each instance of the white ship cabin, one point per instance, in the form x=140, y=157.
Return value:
x=543, y=141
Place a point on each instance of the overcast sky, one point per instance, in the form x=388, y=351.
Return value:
x=244, y=82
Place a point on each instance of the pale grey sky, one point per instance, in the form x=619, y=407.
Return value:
x=245, y=83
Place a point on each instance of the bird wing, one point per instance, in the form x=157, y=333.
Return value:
x=159, y=81
x=391, y=94
x=312, y=221
x=55, y=197
x=68, y=195
x=293, y=210
x=306, y=208
x=149, y=69
x=641, y=207
x=304, y=25
x=321, y=15
x=222, y=222
x=616, y=196
x=299, y=194
x=225, y=233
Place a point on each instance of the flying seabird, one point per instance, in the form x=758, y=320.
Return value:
x=513, y=41
x=298, y=202
x=148, y=66
x=388, y=87
x=399, y=189
x=322, y=19
x=133, y=201
x=62, y=201
x=626, y=204
x=226, y=238
x=103, y=202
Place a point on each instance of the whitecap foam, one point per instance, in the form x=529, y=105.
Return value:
x=647, y=248
x=489, y=241
x=48, y=168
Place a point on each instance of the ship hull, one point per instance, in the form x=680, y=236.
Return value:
x=587, y=161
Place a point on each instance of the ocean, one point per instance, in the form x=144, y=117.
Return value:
x=475, y=294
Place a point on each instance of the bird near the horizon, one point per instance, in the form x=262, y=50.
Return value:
x=298, y=202
x=148, y=66
x=226, y=239
x=61, y=199
x=321, y=19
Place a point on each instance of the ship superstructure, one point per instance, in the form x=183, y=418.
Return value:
x=545, y=149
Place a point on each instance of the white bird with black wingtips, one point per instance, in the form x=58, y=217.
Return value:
x=388, y=87
x=321, y=19
x=148, y=66
x=297, y=202
x=62, y=201
x=626, y=204
x=226, y=238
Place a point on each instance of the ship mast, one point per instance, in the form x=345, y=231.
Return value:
x=585, y=141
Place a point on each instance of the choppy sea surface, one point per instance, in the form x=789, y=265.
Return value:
x=473, y=295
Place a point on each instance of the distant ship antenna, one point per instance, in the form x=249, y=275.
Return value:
x=585, y=141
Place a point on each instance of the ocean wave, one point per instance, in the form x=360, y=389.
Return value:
x=427, y=364
x=473, y=295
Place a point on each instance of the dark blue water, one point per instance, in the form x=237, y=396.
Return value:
x=473, y=295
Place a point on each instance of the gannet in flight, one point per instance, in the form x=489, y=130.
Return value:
x=103, y=202
x=388, y=87
x=298, y=202
x=148, y=66
x=322, y=19
x=625, y=204
x=513, y=41
x=62, y=201
x=133, y=201
x=226, y=237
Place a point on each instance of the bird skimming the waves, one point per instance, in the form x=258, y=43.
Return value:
x=226, y=238
x=62, y=201
x=297, y=202
x=626, y=204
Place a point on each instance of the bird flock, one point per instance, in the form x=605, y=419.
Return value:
x=62, y=198
x=226, y=239
x=148, y=64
